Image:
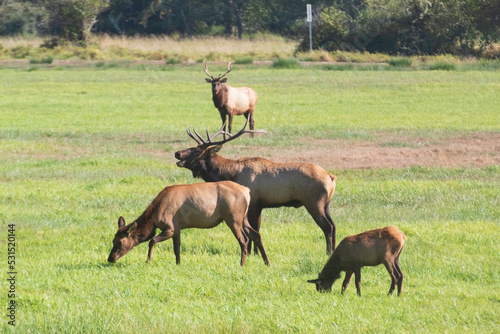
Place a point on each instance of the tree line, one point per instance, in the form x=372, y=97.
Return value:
x=391, y=26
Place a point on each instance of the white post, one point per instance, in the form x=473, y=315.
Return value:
x=309, y=19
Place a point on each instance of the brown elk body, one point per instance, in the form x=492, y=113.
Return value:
x=371, y=248
x=232, y=101
x=271, y=184
x=202, y=205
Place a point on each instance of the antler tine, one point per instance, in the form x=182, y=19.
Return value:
x=198, y=135
x=221, y=130
x=188, y=130
x=241, y=132
x=228, y=70
x=205, y=67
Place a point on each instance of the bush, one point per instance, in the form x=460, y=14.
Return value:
x=342, y=67
x=400, y=62
x=289, y=63
x=441, y=66
x=173, y=61
x=44, y=60
x=244, y=61
x=408, y=27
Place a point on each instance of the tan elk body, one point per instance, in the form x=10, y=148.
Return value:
x=271, y=184
x=201, y=205
x=371, y=248
x=232, y=101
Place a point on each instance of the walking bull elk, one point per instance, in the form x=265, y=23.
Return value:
x=231, y=101
x=271, y=184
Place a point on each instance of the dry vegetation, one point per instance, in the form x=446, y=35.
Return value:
x=152, y=48
x=173, y=50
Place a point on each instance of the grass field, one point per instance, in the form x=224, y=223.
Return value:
x=81, y=146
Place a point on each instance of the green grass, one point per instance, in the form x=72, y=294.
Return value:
x=80, y=147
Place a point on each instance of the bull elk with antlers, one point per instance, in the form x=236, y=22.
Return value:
x=231, y=101
x=271, y=184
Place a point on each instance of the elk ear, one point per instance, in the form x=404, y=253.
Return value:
x=131, y=228
x=208, y=80
x=314, y=281
x=223, y=80
x=121, y=222
x=215, y=149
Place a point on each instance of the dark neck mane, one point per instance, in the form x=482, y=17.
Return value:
x=220, y=99
x=217, y=168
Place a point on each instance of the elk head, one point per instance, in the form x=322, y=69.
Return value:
x=217, y=82
x=123, y=241
x=324, y=285
x=195, y=158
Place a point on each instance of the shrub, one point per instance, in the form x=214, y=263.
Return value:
x=342, y=67
x=288, y=63
x=44, y=60
x=400, y=62
x=173, y=61
x=244, y=61
x=441, y=66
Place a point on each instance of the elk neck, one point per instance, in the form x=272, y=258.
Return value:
x=146, y=227
x=217, y=168
x=220, y=98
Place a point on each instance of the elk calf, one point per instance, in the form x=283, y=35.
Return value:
x=201, y=205
x=232, y=101
x=370, y=248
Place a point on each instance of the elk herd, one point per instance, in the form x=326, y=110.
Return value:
x=236, y=192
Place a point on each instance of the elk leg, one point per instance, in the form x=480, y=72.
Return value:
x=347, y=279
x=177, y=248
x=223, y=116
x=390, y=268
x=230, y=123
x=249, y=116
x=334, y=228
x=254, y=213
x=357, y=280
x=239, y=235
x=257, y=239
x=165, y=235
x=320, y=217
x=400, y=279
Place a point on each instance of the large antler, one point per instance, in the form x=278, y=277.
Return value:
x=206, y=71
x=228, y=70
x=209, y=141
x=205, y=67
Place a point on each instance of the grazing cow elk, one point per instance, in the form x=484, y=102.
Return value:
x=370, y=248
x=232, y=100
x=201, y=205
x=271, y=184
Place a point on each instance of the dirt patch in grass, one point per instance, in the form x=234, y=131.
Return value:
x=389, y=151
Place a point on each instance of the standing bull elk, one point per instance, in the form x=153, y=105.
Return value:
x=231, y=101
x=271, y=184
x=202, y=205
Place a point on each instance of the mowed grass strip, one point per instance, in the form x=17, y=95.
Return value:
x=80, y=148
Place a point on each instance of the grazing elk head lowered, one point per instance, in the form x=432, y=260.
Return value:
x=123, y=241
x=199, y=205
x=231, y=101
x=271, y=184
x=370, y=248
